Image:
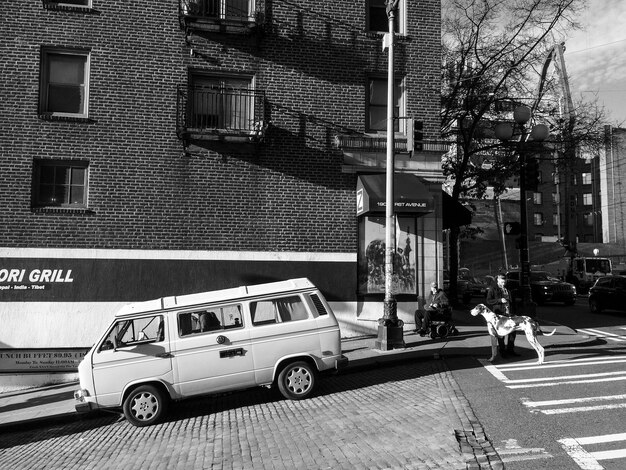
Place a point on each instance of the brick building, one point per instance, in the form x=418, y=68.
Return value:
x=161, y=148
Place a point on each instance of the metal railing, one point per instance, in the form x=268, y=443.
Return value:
x=242, y=10
x=213, y=110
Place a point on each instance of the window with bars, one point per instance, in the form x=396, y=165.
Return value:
x=60, y=184
x=220, y=102
x=538, y=219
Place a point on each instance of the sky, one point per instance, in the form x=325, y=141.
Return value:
x=595, y=57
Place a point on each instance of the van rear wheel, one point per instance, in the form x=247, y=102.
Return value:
x=297, y=380
x=144, y=405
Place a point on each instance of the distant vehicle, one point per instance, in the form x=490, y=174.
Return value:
x=582, y=271
x=468, y=286
x=608, y=293
x=544, y=288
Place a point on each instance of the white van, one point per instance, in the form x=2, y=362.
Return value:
x=281, y=333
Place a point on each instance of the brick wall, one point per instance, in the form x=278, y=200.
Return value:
x=312, y=60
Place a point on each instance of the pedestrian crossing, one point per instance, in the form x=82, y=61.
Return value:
x=499, y=372
x=588, y=452
x=604, y=334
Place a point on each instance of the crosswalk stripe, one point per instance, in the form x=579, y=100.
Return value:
x=569, y=382
x=550, y=365
x=603, y=334
x=560, y=361
x=584, y=460
x=569, y=401
x=566, y=377
x=580, y=409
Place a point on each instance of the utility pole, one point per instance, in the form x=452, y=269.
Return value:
x=390, y=330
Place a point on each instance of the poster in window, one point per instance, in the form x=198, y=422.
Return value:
x=372, y=256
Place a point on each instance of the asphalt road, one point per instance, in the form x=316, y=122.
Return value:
x=569, y=413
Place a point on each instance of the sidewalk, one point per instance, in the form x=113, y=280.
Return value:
x=53, y=403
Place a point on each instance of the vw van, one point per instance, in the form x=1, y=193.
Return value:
x=280, y=334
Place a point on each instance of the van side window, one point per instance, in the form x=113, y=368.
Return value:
x=135, y=331
x=319, y=306
x=279, y=310
x=210, y=319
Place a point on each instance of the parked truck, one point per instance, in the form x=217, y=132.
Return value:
x=582, y=271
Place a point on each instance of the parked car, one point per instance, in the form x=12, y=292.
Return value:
x=608, y=293
x=544, y=288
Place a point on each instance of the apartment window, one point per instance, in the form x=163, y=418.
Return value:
x=377, y=20
x=538, y=218
x=586, y=177
x=60, y=183
x=377, y=104
x=556, y=220
x=588, y=219
x=587, y=199
x=537, y=199
x=65, y=4
x=556, y=198
x=221, y=103
x=64, y=83
x=219, y=8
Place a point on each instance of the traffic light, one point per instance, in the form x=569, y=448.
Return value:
x=414, y=136
x=531, y=172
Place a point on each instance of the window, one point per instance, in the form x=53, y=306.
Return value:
x=538, y=218
x=555, y=178
x=556, y=220
x=60, y=183
x=210, y=319
x=556, y=198
x=219, y=8
x=284, y=309
x=586, y=178
x=588, y=219
x=587, y=199
x=66, y=4
x=377, y=104
x=377, y=19
x=537, y=198
x=64, y=83
x=221, y=103
x=135, y=332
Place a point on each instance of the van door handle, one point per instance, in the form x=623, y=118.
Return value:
x=164, y=355
x=231, y=352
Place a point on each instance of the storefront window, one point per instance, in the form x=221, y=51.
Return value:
x=372, y=255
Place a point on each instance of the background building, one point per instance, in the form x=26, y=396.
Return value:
x=160, y=148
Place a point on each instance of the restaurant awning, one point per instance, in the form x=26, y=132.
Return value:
x=410, y=194
x=454, y=213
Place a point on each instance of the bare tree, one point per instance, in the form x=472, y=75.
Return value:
x=493, y=53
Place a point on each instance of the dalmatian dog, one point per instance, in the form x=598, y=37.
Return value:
x=499, y=326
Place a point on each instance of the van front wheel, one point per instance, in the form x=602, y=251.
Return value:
x=144, y=405
x=297, y=380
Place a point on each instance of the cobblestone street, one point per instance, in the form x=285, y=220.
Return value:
x=383, y=418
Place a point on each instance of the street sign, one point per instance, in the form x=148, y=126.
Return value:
x=512, y=228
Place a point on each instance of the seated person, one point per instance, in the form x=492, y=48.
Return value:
x=436, y=308
x=209, y=321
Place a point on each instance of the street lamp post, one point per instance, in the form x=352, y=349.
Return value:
x=538, y=133
x=390, y=329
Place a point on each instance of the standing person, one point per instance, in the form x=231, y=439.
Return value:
x=437, y=303
x=499, y=300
